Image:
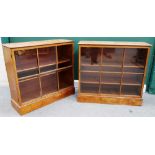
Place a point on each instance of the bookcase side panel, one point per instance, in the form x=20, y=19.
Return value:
x=11, y=74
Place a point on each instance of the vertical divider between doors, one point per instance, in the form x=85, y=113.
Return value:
x=123, y=55
x=101, y=59
x=39, y=73
x=57, y=66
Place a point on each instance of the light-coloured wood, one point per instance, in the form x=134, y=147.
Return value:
x=123, y=56
x=38, y=62
x=79, y=69
x=109, y=100
x=36, y=43
x=57, y=65
x=45, y=100
x=26, y=106
x=113, y=98
x=105, y=43
x=9, y=63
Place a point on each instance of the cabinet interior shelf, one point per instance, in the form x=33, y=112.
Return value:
x=45, y=65
x=108, y=72
x=110, y=83
x=45, y=73
x=102, y=65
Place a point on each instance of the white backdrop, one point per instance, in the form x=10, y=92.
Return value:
x=3, y=76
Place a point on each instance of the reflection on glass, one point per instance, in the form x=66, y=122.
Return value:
x=91, y=56
x=112, y=56
x=135, y=57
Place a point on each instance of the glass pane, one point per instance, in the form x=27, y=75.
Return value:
x=47, y=68
x=135, y=57
x=112, y=56
x=131, y=90
x=111, y=69
x=49, y=83
x=89, y=88
x=29, y=89
x=110, y=89
x=64, y=55
x=65, y=78
x=90, y=56
x=111, y=77
x=24, y=74
x=133, y=70
x=90, y=68
x=132, y=78
x=47, y=56
x=26, y=59
x=90, y=77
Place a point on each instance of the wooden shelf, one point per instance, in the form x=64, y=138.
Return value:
x=110, y=72
x=28, y=77
x=89, y=82
x=63, y=60
x=26, y=69
x=131, y=84
x=133, y=66
x=46, y=65
x=63, y=68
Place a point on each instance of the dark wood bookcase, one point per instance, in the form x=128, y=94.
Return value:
x=39, y=72
x=112, y=72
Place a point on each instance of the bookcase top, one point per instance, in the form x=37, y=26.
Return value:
x=112, y=43
x=36, y=43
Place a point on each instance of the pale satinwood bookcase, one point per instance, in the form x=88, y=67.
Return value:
x=39, y=72
x=112, y=72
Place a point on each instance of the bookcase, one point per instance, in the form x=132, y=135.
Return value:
x=112, y=72
x=39, y=72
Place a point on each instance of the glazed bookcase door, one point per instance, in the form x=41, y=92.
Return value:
x=42, y=71
x=111, y=73
x=133, y=71
x=47, y=67
x=28, y=74
x=47, y=59
x=116, y=71
x=90, y=66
